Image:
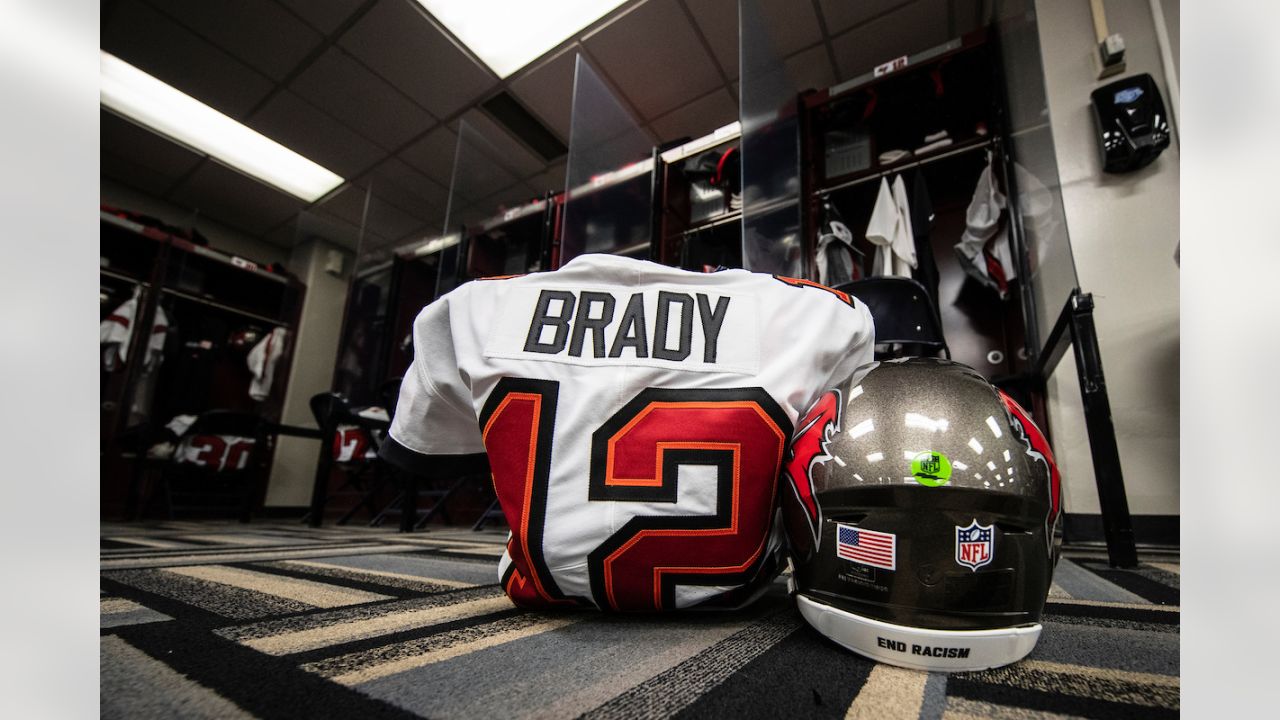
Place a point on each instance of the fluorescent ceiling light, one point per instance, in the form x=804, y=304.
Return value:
x=180, y=117
x=509, y=34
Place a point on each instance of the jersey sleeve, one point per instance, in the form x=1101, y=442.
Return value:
x=884, y=217
x=856, y=340
x=434, y=431
x=840, y=338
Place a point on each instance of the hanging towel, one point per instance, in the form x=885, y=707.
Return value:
x=262, y=362
x=116, y=332
x=884, y=219
x=904, y=243
x=890, y=231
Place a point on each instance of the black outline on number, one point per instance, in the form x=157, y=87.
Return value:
x=666, y=491
x=549, y=391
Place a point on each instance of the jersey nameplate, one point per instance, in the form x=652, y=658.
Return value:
x=659, y=327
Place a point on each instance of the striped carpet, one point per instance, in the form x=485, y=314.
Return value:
x=279, y=621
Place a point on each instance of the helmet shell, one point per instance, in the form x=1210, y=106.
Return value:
x=945, y=494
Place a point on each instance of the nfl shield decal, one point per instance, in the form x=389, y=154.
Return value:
x=975, y=545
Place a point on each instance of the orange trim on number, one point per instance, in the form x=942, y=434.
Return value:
x=656, y=479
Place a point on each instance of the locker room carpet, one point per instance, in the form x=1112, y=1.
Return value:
x=278, y=621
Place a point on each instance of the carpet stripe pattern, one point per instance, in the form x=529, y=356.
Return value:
x=203, y=619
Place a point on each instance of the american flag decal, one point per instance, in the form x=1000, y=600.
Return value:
x=868, y=547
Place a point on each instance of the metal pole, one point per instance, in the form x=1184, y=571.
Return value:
x=1116, y=522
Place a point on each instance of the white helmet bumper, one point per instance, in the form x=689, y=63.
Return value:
x=919, y=648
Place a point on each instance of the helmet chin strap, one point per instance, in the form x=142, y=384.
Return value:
x=920, y=648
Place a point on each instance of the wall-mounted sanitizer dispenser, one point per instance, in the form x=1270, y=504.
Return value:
x=1132, y=123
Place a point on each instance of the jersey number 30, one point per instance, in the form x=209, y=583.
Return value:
x=635, y=457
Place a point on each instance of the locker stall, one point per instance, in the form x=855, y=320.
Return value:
x=206, y=312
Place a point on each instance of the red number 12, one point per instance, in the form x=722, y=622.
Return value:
x=635, y=457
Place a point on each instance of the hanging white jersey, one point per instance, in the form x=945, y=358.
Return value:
x=354, y=444
x=635, y=418
x=215, y=452
x=116, y=332
x=262, y=361
x=206, y=450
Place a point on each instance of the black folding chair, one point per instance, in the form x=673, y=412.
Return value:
x=907, y=322
x=364, y=473
x=216, y=466
x=413, y=488
x=491, y=514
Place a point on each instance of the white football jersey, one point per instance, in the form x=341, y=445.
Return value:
x=352, y=443
x=635, y=418
x=215, y=452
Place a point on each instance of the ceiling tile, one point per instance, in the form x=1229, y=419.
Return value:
x=304, y=128
x=347, y=205
x=128, y=171
x=478, y=177
x=231, y=198
x=433, y=154
x=698, y=118
x=918, y=26
x=431, y=227
x=654, y=57
x=265, y=35
x=407, y=189
x=480, y=173
x=144, y=38
x=718, y=21
x=383, y=220
x=810, y=69
x=361, y=99
x=547, y=90
x=144, y=148
x=793, y=26
x=842, y=14
x=399, y=41
x=509, y=152
x=283, y=236
x=323, y=15
x=308, y=225
x=390, y=222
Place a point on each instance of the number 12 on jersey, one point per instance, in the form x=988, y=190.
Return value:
x=740, y=434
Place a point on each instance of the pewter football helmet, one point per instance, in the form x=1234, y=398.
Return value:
x=922, y=507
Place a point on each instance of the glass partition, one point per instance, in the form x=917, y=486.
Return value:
x=771, y=240
x=1076, y=404
x=608, y=194
x=1032, y=175
x=478, y=176
x=493, y=225
x=363, y=347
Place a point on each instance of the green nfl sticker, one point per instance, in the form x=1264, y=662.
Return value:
x=932, y=469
